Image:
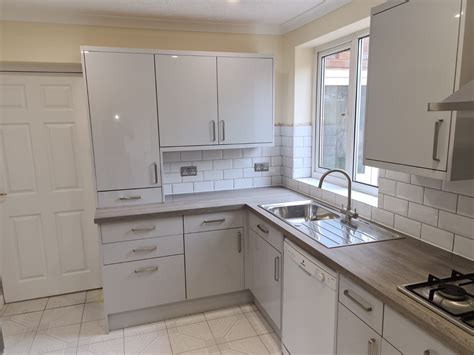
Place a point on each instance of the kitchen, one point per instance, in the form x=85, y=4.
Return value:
x=291, y=177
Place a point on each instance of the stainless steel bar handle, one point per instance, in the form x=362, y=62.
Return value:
x=223, y=130
x=143, y=229
x=358, y=301
x=127, y=198
x=436, y=139
x=145, y=249
x=371, y=343
x=277, y=268
x=155, y=169
x=262, y=228
x=239, y=241
x=146, y=269
x=213, y=130
x=220, y=220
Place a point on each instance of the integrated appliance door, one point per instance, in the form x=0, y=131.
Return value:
x=309, y=304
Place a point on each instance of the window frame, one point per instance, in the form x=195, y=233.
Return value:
x=350, y=42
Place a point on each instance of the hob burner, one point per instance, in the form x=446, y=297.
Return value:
x=452, y=292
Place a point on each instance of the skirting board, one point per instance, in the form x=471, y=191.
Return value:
x=179, y=309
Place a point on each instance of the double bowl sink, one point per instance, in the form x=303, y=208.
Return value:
x=328, y=227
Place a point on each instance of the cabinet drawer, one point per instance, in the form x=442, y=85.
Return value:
x=266, y=231
x=142, y=249
x=140, y=229
x=409, y=338
x=144, y=283
x=360, y=302
x=213, y=221
x=129, y=197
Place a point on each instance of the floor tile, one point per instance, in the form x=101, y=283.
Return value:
x=190, y=337
x=143, y=329
x=20, y=323
x=211, y=350
x=272, y=343
x=66, y=300
x=231, y=328
x=259, y=323
x=221, y=313
x=25, y=307
x=148, y=343
x=18, y=344
x=95, y=296
x=249, y=346
x=251, y=307
x=176, y=322
x=93, y=311
x=59, y=317
x=96, y=332
x=52, y=339
x=110, y=347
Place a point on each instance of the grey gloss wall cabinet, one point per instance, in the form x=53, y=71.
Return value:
x=415, y=58
x=123, y=115
x=209, y=100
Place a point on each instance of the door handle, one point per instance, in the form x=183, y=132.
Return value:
x=155, y=169
x=371, y=343
x=239, y=242
x=262, y=228
x=436, y=139
x=213, y=130
x=222, y=130
x=276, y=265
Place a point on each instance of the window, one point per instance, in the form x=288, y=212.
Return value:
x=340, y=112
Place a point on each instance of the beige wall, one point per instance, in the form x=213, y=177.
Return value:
x=40, y=42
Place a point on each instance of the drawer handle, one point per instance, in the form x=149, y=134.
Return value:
x=145, y=249
x=262, y=228
x=220, y=220
x=146, y=269
x=143, y=229
x=128, y=198
x=357, y=300
x=371, y=343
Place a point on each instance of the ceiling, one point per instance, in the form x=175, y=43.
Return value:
x=244, y=16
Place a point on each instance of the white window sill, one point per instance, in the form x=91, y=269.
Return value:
x=341, y=190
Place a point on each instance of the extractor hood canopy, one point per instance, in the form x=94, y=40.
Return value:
x=461, y=100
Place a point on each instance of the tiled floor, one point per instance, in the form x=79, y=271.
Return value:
x=75, y=324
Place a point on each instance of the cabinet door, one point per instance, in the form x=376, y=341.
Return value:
x=187, y=100
x=354, y=337
x=214, y=262
x=267, y=277
x=245, y=93
x=388, y=349
x=409, y=338
x=413, y=49
x=122, y=103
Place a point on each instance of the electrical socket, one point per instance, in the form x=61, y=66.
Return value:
x=261, y=167
x=189, y=171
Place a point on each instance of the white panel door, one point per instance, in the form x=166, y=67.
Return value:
x=267, y=277
x=187, y=100
x=245, y=91
x=214, y=262
x=413, y=49
x=122, y=103
x=50, y=243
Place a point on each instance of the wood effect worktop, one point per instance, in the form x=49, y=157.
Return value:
x=378, y=267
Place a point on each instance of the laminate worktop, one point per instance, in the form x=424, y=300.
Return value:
x=378, y=267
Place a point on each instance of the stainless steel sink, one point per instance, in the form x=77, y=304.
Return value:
x=327, y=227
x=299, y=212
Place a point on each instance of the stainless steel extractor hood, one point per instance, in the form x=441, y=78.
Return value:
x=461, y=100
